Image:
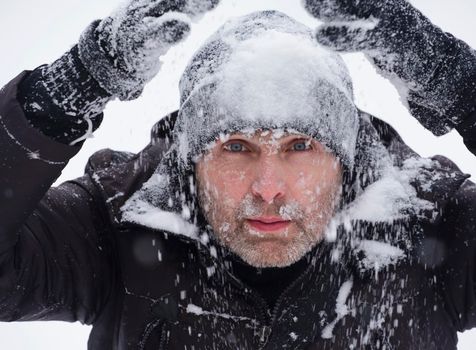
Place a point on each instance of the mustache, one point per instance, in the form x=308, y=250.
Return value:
x=252, y=207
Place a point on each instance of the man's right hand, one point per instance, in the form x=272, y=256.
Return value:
x=122, y=52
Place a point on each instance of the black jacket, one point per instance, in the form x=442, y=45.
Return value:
x=66, y=254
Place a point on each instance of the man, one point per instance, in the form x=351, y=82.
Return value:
x=268, y=212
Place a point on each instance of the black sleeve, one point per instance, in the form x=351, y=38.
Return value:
x=55, y=250
x=458, y=272
x=467, y=130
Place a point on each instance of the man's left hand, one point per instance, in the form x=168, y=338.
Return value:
x=437, y=70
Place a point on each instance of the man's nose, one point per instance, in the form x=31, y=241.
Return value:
x=269, y=184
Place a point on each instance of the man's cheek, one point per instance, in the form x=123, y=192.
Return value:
x=311, y=185
x=211, y=191
x=235, y=183
x=228, y=204
x=319, y=202
x=222, y=208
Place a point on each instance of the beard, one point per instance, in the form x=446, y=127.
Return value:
x=261, y=249
x=274, y=252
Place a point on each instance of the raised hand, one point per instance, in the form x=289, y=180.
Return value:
x=122, y=51
x=435, y=72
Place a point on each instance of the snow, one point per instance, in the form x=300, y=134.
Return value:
x=266, y=70
x=87, y=135
x=127, y=125
x=270, y=76
x=361, y=25
x=117, y=195
x=379, y=254
x=194, y=309
x=140, y=43
x=196, y=8
x=139, y=210
x=197, y=310
x=389, y=198
x=148, y=215
x=341, y=309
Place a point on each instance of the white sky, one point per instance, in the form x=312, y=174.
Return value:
x=37, y=32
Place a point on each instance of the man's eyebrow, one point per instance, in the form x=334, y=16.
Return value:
x=292, y=137
x=226, y=138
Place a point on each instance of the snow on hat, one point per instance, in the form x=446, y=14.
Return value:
x=266, y=71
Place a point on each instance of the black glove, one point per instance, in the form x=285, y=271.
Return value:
x=116, y=58
x=62, y=100
x=433, y=71
x=122, y=52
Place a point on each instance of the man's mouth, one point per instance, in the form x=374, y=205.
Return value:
x=268, y=224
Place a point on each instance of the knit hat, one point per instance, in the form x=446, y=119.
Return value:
x=266, y=71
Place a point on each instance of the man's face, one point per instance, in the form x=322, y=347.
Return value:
x=269, y=195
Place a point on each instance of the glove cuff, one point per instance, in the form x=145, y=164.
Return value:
x=115, y=81
x=59, y=98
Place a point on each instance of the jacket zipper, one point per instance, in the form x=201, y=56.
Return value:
x=151, y=328
x=268, y=322
x=163, y=337
x=264, y=318
x=277, y=306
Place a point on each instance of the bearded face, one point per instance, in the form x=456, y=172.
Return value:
x=268, y=195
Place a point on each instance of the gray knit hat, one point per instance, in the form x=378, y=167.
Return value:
x=266, y=71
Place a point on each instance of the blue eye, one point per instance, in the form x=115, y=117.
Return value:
x=235, y=147
x=301, y=146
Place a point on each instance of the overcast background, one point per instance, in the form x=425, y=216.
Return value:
x=37, y=32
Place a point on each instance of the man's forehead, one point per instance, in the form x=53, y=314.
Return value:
x=261, y=135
